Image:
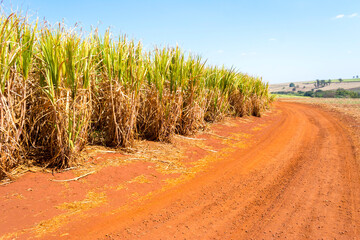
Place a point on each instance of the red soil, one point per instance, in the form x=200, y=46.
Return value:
x=291, y=174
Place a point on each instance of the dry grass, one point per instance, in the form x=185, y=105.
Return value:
x=92, y=200
x=140, y=179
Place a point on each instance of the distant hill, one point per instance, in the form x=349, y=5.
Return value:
x=348, y=84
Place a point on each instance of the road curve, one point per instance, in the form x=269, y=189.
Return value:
x=300, y=181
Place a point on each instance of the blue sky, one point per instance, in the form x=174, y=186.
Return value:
x=280, y=40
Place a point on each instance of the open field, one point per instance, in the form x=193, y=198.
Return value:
x=308, y=86
x=288, y=96
x=238, y=180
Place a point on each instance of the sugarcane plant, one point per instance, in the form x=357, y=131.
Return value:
x=161, y=100
x=61, y=115
x=59, y=89
x=123, y=71
x=17, y=39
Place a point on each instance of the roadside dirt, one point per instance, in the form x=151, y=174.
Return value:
x=292, y=174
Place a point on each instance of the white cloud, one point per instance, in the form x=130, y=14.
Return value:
x=348, y=16
x=353, y=15
x=220, y=51
x=272, y=39
x=339, y=16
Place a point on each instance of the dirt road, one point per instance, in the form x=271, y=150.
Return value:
x=300, y=181
x=298, y=178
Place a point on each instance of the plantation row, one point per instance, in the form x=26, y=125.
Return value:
x=60, y=90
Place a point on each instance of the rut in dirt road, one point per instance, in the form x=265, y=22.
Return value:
x=300, y=181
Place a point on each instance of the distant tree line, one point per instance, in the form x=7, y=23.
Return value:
x=338, y=93
x=322, y=83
